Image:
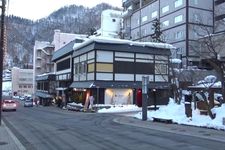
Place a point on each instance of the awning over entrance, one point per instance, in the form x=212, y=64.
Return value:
x=43, y=94
x=116, y=84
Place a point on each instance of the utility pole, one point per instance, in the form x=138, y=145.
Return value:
x=1, y=54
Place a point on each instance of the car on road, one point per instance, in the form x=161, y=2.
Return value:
x=9, y=105
x=28, y=103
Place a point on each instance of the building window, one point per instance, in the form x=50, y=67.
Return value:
x=178, y=19
x=91, y=67
x=166, y=23
x=161, y=69
x=196, y=18
x=63, y=65
x=145, y=18
x=165, y=9
x=76, y=68
x=179, y=35
x=83, y=67
x=102, y=67
x=196, y=2
x=154, y=14
x=178, y=3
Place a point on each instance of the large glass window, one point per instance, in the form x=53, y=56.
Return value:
x=166, y=23
x=154, y=14
x=196, y=2
x=179, y=35
x=91, y=67
x=104, y=56
x=161, y=65
x=178, y=3
x=165, y=9
x=102, y=67
x=178, y=19
x=144, y=19
x=63, y=65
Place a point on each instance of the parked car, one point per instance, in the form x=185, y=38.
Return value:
x=28, y=103
x=22, y=98
x=9, y=105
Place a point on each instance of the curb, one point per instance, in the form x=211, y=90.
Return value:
x=16, y=141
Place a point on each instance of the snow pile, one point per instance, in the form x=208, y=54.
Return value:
x=101, y=39
x=7, y=86
x=175, y=61
x=209, y=81
x=177, y=114
x=120, y=108
x=174, y=112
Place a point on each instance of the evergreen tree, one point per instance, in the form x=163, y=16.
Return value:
x=157, y=35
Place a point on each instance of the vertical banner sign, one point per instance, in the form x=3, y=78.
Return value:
x=145, y=81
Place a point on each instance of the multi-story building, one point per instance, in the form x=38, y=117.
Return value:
x=42, y=60
x=44, y=72
x=112, y=70
x=61, y=39
x=182, y=22
x=22, y=81
x=63, y=68
x=219, y=16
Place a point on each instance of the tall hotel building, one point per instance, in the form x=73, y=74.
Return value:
x=182, y=22
x=219, y=16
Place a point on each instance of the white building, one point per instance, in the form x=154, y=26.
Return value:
x=111, y=24
x=42, y=59
x=22, y=81
x=61, y=39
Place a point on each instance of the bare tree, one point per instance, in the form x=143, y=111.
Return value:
x=210, y=48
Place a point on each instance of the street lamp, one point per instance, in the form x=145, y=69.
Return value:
x=154, y=98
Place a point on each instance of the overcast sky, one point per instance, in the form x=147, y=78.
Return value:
x=37, y=9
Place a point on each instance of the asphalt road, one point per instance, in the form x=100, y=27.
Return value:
x=50, y=128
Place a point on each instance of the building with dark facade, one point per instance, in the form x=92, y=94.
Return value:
x=111, y=70
x=62, y=59
x=45, y=91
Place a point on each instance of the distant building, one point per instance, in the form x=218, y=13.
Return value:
x=22, y=81
x=42, y=60
x=44, y=72
x=60, y=39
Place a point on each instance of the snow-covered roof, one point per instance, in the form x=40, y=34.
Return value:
x=110, y=12
x=122, y=41
x=175, y=61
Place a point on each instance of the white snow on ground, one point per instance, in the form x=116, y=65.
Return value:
x=6, y=88
x=120, y=108
x=176, y=113
x=6, y=85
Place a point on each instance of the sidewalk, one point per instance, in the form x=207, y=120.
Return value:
x=8, y=140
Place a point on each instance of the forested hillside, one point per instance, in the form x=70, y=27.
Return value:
x=22, y=33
